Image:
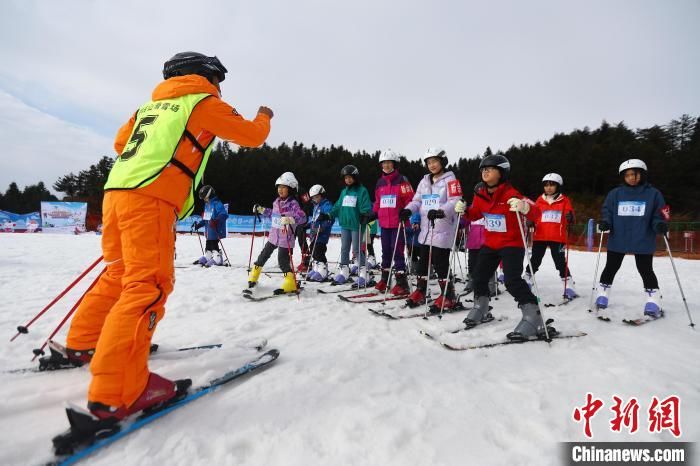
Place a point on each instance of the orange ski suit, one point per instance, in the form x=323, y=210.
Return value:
x=119, y=315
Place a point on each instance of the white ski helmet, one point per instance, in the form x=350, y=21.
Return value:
x=436, y=152
x=287, y=179
x=555, y=177
x=316, y=189
x=388, y=155
x=632, y=163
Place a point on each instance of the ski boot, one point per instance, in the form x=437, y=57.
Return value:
x=480, y=313
x=447, y=301
x=302, y=267
x=289, y=284
x=601, y=302
x=569, y=292
x=342, y=276
x=254, y=275
x=401, y=287
x=417, y=298
x=61, y=357
x=201, y=261
x=371, y=262
x=531, y=326
x=383, y=281
x=652, y=308
x=362, y=278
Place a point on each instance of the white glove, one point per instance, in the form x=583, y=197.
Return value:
x=258, y=209
x=519, y=205
x=460, y=206
x=287, y=221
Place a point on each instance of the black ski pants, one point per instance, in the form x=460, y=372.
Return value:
x=644, y=267
x=558, y=251
x=282, y=257
x=440, y=260
x=512, y=259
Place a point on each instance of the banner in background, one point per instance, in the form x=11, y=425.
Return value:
x=63, y=217
x=240, y=224
x=18, y=223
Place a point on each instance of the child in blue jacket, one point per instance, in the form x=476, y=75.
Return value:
x=634, y=213
x=320, y=234
x=214, y=218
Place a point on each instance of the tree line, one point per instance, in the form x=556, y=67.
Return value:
x=588, y=159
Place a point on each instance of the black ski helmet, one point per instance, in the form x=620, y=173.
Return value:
x=206, y=192
x=194, y=63
x=499, y=161
x=349, y=170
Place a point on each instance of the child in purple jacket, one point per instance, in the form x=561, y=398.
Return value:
x=286, y=213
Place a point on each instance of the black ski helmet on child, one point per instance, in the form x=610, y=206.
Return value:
x=498, y=161
x=184, y=63
x=206, y=192
x=349, y=170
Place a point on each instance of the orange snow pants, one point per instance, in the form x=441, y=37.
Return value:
x=119, y=315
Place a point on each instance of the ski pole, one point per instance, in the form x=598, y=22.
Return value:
x=427, y=279
x=228, y=262
x=391, y=266
x=534, y=280
x=40, y=351
x=595, y=274
x=313, y=250
x=449, y=271
x=291, y=256
x=678, y=280
x=252, y=240
x=25, y=328
x=566, y=262
x=409, y=268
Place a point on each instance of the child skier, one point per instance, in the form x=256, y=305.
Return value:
x=499, y=203
x=634, y=213
x=391, y=195
x=435, y=199
x=286, y=213
x=552, y=229
x=214, y=218
x=413, y=240
x=352, y=209
x=320, y=233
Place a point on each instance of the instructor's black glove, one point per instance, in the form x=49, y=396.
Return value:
x=322, y=217
x=662, y=228
x=434, y=214
x=405, y=214
x=603, y=225
x=366, y=218
x=569, y=217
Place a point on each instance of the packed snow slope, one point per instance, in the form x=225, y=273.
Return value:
x=350, y=387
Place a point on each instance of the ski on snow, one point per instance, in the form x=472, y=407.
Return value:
x=248, y=294
x=75, y=445
x=501, y=342
x=433, y=311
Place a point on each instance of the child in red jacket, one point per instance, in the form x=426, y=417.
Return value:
x=499, y=203
x=551, y=230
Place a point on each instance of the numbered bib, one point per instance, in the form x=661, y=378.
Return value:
x=276, y=221
x=551, y=216
x=631, y=208
x=350, y=201
x=430, y=201
x=207, y=215
x=495, y=223
x=387, y=201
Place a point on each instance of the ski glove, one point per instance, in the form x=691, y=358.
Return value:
x=461, y=206
x=569, y=217
x=258, y=209
x=322, y=217
x=197, y=225
x=603, y=225
x=434, y=214
x=366, y=218
x=405, y=214
x=287, y=221
x=519, y=205
x=662, y=228
x=479, y=186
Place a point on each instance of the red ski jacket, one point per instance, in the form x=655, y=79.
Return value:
x=501, y=225
x=551, y=224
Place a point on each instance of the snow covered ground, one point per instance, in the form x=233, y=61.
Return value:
x=351, y=387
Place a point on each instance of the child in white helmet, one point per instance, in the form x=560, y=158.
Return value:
x=552, y=230
x=634, y=213
x=285, y=213
x=320, y=234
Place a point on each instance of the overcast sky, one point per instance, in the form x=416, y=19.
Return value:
x=365, y=74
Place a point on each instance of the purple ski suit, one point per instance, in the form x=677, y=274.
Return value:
x=279, y=235
x=442, y=194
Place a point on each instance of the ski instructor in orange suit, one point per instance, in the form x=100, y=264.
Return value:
x=163, y=150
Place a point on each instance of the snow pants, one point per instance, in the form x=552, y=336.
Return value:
x=558, y=251
x=389, y=238
x=644, y=267
x=119, y=315
x=512, y=259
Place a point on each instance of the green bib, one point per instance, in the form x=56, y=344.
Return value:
x=158, y=130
